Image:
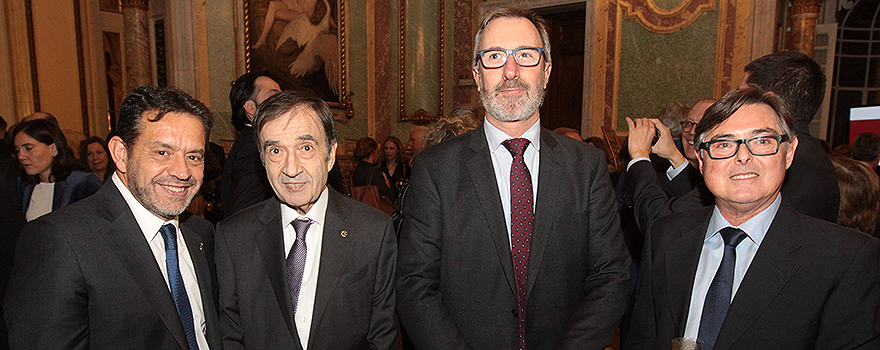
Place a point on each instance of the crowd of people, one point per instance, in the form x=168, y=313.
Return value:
x=725, y=223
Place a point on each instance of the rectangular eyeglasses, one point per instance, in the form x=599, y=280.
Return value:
x=761, y=145
x=523, y=56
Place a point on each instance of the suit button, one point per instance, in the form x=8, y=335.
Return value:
x=515, y=313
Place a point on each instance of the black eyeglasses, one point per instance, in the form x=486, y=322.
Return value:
x=497, y=58
x=687, y=125
x=761, y=145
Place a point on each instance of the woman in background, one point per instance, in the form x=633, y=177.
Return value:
x=93, y=152
x=393, y=166
x=366, y=172
x=51, y=177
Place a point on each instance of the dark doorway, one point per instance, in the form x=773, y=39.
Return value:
x=564, y=100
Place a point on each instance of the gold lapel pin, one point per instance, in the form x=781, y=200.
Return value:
x=201, y=246
x=344, y=233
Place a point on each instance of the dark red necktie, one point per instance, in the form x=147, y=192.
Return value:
x=521, y=218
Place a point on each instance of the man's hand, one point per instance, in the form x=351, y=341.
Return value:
x=665, y=146
x=641, y=133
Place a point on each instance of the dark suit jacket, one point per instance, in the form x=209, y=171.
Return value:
x=11, y=221
x=810, y=182
x=85, y=278
x=651, y=199
x=354, y=303
x=244, y=181
x=456, y=283
x=811, y=285
x=78, y=185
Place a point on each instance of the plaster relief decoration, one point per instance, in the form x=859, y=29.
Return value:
x=302, y=44
x=662, y=21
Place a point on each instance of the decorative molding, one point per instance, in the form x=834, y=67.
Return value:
x=80, y=63
x=799, y=7
x=138, y=4
x=32, y=51
x=662, y=21
x=421, y=116
x=731, y=53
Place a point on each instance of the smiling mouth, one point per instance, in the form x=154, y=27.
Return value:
x=743, y=176
x=175, y=189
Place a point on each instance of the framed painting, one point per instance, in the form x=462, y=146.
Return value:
x=302, y=44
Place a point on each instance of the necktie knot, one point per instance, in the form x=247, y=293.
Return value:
x=732, y=236
x=169, y=235
x=516, y=146
x=301, y=226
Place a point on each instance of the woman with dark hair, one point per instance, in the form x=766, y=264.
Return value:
x=365, y=173
x=859, y=194
x=51, y=176
x=393, y=166
x=93, y=152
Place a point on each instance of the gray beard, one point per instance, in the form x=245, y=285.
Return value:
x=511, y=109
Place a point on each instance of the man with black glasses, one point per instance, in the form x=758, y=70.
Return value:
x=751, y=272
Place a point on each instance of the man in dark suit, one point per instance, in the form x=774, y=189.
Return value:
x=107, y=272
x=750, y=272
x=244, y=180
x=308, y=268
x=510, y=236
x=810, y=183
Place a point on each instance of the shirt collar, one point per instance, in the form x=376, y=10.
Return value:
x=495, y=136
x=316, y=213
x=755, y=228
x=147, y=221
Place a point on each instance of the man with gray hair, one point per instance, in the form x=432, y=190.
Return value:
x=510, y=237
x=308, y=268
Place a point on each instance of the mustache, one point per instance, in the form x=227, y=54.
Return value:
x=512, y=84
x=171, y=180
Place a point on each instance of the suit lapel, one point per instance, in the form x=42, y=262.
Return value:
x=774, y=264
x=334, y=249
x=682, y=257
x=481, y=170
x=134, y=252
x=548, y=188
x=204, y=277
x=270, y=242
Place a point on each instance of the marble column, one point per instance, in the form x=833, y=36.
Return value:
x=803, y=15
x=138, y=65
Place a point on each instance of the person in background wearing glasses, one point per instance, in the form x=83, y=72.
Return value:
x=643, y=190
x=751, y=272
x=473, y=270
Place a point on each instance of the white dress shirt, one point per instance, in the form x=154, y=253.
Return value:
x=671, y=172
x=314, y=236
x=712, y=252
x=502, y=159
x=150, y=224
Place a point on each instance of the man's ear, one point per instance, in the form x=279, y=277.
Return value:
x=476, y=71
x=119, y=153
x=332, y=156
x=789, y=153
x=250, y=107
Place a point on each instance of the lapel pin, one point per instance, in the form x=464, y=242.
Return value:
x=344, y=233
x=201, y=246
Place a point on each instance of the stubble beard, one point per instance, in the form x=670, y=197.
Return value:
x=512, y=108
x=148, y=197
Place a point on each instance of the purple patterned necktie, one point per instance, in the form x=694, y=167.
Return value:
x=296, y=260
x=521, y=218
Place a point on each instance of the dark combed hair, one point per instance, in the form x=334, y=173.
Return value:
x=84, y=154
x=859, y=194
x=736, y=99
x=46, y=132
x=146, y=99
x=540, y=24
x=285, y=101
x=793, y=76
x=364, y=147
x=866, y=147
x=243, y=90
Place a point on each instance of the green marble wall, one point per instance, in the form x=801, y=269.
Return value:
x=221, y=64
x=656, y=69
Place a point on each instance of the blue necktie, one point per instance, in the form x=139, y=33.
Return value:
x=718, y=297
x=178, y=290
x=296, y=260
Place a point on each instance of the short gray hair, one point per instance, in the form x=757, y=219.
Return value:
x=513, y=12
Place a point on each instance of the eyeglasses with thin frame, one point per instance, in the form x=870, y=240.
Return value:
x=687, y=125
x=761, y=145
x=524, y=56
